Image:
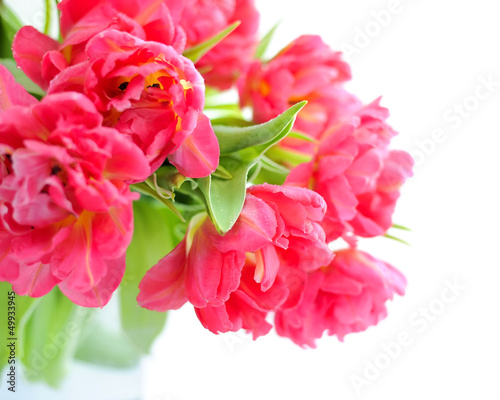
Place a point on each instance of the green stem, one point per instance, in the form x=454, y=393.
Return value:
x=144, y=188
x=48, y=11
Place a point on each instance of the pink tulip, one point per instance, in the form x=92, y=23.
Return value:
x=375, y=208
x=65, y=210
x=246, y=308
x=201, y=20
x=42, y=58
x=145, y=19
x=152, y=95
x=206, y=267
x=299, y=212
x=307, y=69
x=347, y=296
x=278, y=229
x=356, y=174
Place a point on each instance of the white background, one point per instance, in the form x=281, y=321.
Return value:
x=428, y=58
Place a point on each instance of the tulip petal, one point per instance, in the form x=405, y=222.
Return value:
x=198, y=155
x=162, y=288
x=100, y=294
x=35, y=280
x=29, y=48
x=12, y=93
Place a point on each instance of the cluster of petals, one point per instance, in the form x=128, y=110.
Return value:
x=66, y=213
x=117, y=84
x=307, y=69
x=349, y=295
x=152, y=95
x=203, y=19
x=351, y=167
x=42, y=57
x=278, y=229
x=356, y=173
x=181, y=24
x=122, y=100
x=108, y=45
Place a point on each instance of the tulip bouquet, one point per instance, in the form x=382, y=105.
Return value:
x=124, y=174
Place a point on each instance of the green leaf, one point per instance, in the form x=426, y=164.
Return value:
x=195, y=53
x=272, y=177
x=155, y=235
x=50, y=336
x=291, y=115
x=5, y=288
x=235, y=108
x=271, y=166
x=302, y=136
x=222, y=173
x=230, y=121
x=9, y=25
x=102, y=345
x=271, y=172
x=168, y=178
x=23, y=304
x=21, y=78
x=401, y=227
x=150, y=187
x=261, y=137
x=265, y=41
x=225, y=197
x=396, y=239
x=288, y=157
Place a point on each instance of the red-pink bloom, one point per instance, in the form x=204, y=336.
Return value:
x=151, y=94
x=301, y=239
x=307, y=69
x=65, y=210
x=195, y=271
x=347, y=296
x=246, y=308
x=42, y=58
x=278, y=228
x=356, y=174
x=375, y=208
x=202, y=19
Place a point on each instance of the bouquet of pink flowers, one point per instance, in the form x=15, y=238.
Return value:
x=234, y=212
